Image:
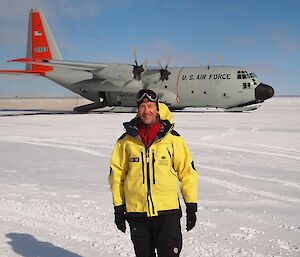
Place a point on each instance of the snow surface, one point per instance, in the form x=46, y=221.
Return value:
x=55, y=198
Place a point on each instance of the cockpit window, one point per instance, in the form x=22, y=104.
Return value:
x=241, y=74
x=246, y=85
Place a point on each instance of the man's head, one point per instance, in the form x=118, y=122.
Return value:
x=147, y=102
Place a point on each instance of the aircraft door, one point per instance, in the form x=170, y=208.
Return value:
x=102, y=97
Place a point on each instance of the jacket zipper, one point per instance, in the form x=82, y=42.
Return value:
x=143, y=171
x=170, y=156
x=153, y=170
x=169, y=153
x=148, y=182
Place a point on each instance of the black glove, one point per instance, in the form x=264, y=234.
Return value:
x=120, y=218
x=191, y=209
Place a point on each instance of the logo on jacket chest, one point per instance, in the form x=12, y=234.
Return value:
x=163, y=161
x=134, y=159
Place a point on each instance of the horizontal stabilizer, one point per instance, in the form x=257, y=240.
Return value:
x=23, y=72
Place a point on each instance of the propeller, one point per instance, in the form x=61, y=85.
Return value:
x=137, y=69
x=164, y=73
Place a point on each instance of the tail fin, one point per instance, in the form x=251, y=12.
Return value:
x=41, y=43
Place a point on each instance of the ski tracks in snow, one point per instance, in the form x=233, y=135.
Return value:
x=294, y=155
x=71, y=144
x=241, y=189
x=240, y=174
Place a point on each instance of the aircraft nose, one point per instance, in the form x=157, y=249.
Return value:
x=263, y=92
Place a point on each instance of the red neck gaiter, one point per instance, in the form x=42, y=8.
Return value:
x=149, y=132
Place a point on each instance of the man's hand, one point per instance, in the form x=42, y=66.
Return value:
x=191, y=209
x=119, y=218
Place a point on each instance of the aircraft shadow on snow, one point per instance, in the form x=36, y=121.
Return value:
x=29, y=112
x=27, y=245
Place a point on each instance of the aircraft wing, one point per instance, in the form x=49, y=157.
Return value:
x=118, y=74
x=87, y=66
x=151, y=75
x=151, y=71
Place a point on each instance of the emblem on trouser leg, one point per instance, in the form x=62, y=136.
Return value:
x=175, y=250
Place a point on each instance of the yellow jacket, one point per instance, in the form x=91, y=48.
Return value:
x=146, y=180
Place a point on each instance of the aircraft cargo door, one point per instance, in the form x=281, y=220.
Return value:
x=102, y=97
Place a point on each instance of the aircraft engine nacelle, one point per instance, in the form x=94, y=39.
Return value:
x=115, y=72
x=151, y=77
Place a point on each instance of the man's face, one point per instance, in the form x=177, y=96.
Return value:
x=147, y=112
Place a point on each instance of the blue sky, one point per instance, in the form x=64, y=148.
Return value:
x=263, y=36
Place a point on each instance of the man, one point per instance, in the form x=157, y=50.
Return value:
x=147, y=162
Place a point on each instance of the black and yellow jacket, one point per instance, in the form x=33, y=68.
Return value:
x=145, y=180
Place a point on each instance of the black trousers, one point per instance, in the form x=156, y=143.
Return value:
x=162, y=233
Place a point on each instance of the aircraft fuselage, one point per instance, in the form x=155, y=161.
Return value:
x=216, y=86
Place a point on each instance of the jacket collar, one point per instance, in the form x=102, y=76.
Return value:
x=131, y=128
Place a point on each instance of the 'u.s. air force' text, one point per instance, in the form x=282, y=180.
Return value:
x=206, y=76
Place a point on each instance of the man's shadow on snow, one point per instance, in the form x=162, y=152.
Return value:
x=28, y=246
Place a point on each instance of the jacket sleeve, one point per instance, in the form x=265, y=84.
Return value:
x=118, y=170
x=187, y=174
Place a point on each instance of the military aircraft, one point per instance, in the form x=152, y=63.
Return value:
x=116, y=84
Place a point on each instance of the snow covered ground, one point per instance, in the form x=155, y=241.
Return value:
x=55, y=199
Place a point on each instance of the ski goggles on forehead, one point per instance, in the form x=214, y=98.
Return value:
x=150, y=95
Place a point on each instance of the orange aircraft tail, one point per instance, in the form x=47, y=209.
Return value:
x=40, y=45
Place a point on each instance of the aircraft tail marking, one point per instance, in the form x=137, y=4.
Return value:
x=40, y=45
